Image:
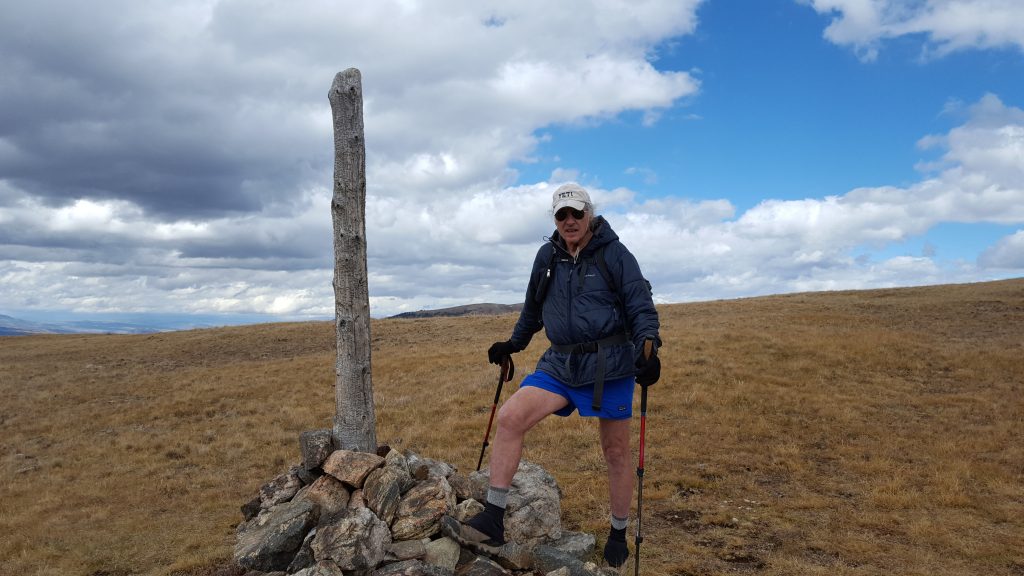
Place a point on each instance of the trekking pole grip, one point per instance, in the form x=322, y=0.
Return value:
x=508, y=369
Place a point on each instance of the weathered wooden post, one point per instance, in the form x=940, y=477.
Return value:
x=354, y=418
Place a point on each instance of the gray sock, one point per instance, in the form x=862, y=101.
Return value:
x=497, y=496
x=619, y=523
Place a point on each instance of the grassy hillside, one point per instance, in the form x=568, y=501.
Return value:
x=871, y=432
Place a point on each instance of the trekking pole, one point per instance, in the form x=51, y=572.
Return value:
x=508, y=369
x=648, y=350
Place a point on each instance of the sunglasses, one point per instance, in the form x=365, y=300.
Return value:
x=564, y=213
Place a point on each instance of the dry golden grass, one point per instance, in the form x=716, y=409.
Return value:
x=873, y=432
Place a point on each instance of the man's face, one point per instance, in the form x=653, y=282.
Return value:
x=572, y=224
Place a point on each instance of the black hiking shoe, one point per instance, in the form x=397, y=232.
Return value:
x=469, y=537
x=615, y=549
x=490, y=523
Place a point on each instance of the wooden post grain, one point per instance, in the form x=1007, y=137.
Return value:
x=354, y=417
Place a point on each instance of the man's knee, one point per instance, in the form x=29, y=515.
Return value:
x=618, y=454
x=615, y=443
x=527, y=407
x=513, y=419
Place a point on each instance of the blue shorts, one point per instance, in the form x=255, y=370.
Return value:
x=616, y=402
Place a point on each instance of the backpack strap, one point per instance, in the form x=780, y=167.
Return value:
x=545, y=279
x=602, y=266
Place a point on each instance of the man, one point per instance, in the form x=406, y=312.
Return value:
x=586, y=290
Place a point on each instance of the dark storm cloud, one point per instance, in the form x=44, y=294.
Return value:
x=102, y=111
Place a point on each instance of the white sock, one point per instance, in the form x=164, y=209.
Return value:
x=497, y=496
x=619, y=523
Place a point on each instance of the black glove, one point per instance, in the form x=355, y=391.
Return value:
x=648, y=370
x=499, y=350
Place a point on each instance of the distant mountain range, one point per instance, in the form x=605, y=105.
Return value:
x=10, y=326
x=466, y=310
x=143, y=324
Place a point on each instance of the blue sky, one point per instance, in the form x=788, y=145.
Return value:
x=160, y=160
x=783, y=113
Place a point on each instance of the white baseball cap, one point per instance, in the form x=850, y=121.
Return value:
x=572, y=195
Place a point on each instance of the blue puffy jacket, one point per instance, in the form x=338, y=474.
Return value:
x=580, y=307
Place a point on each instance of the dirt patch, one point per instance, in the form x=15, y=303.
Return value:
x=688, y=520
x=743, y=558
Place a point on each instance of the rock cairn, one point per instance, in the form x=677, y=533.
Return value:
x=343, y=513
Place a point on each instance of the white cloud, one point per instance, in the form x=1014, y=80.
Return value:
x=194, y=158
x=949, y=25
x=697, y=251
x=193, y=142
x=1006, y=254
x=434, y=250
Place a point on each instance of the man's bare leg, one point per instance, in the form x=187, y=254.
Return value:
x=521, y=412
x=618, y=455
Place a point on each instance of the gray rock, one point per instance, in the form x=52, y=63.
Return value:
x=397, y=461
x=406, y=550
x=350, y=467
x=547, y=559
x=325, y=568
x=279, y=490
x=467, y=509
x=304, y=557
x=383, y=490
x=466, y=489
x=422, y=468
x=270, y=541
x=411, y=568
x=514, y=556
x=444, y=553
x=481, y=566
x=251, y=508
x=357, y=500
x=355, y=540
x=316, y=447
x=422, y=508
x=307, y=476
x=328, y=493
x=576, y=544
x=465, y=556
